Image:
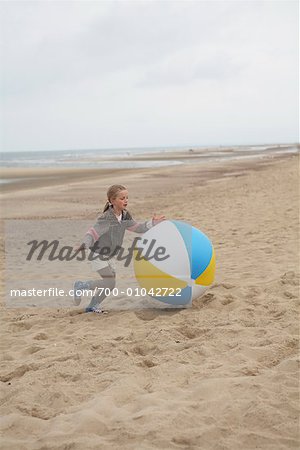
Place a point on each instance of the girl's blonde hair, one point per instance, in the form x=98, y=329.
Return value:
x=112, y=193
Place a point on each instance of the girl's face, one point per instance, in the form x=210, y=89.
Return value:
x=121, y=201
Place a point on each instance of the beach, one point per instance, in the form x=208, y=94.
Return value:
x=223, y=374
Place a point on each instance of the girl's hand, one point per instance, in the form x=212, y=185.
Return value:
x=157, y=219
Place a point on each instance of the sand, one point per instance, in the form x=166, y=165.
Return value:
x=223, y=374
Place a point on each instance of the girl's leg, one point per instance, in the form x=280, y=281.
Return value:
x=106, y=282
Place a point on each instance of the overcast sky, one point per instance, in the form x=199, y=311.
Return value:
x=106, y=74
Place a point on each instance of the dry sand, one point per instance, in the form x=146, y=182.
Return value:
x=223, y=374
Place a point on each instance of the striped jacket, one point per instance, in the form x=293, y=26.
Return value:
x=109, y=232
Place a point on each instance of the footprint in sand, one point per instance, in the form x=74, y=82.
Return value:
x=140, y=350
x=146, y=315
x=289, y=295
x=41, y=337
x=32, y=349
x=147, y=363
x=192, y=333
x=289, y=278
x=18, y=372
x=20, y=326
x=227, y=300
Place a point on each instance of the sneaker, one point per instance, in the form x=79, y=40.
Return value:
x=94, y=309
x=78, y=288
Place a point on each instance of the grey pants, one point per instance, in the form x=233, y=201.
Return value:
x=107, y=281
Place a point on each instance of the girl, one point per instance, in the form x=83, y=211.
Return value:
x=107, y=234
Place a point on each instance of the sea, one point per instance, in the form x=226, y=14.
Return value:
x=124, y=158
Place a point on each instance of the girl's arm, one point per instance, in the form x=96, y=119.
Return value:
x=92, y=235
x=132, y=225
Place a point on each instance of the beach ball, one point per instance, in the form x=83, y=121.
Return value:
x=174, y=262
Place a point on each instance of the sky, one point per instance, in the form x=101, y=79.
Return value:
x=120, y=74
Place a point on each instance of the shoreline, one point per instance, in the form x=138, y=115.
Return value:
x=26, y=178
